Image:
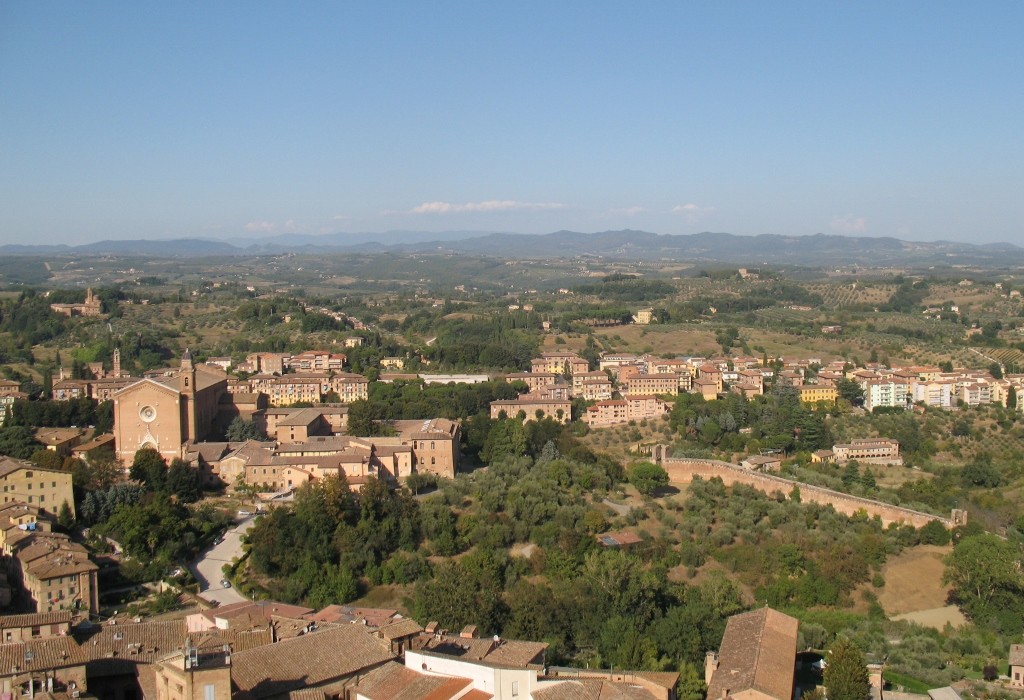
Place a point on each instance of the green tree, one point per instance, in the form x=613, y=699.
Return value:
x=691, y=683
x=64, y=517
x=846, y=675
x=47, y=459
x=506, y=437
x=17, y=441
x=240, y=430
x=934, y=532
x=1011, y=398
x=183, y=481
x=981, y=472
x=647, y=477
x=367, y=418
x=985, y=572
x=149, y=468
x=850, y=391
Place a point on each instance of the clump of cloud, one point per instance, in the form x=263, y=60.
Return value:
x=261, y=227
x=691, y=211
x=849, y=224
x=491, y=205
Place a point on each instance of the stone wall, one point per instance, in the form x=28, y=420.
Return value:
x=683, y=470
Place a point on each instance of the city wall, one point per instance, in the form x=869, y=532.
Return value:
x=683, y=470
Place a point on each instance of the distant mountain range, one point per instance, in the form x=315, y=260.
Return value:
x=768, y=249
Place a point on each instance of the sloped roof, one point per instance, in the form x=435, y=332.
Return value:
x=306, y=661
x=507, y=653
x=400, y=628
x=758, y=652
x=36, y=654
x=393, y=681
x=32, y=619
x=590, y=689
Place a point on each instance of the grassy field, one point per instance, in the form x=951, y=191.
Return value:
x=913, y=580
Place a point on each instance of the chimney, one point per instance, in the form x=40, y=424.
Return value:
x=710, y=666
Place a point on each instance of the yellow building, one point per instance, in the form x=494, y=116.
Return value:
x=46, y=489
x=813, y=393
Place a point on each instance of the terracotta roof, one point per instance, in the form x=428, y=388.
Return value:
x=301, y=417
x=266, y=609
x=477, y=694
x=503, y=653
x=396, y=682
x=371, y=617
x=57, y=436
x=32, y=619
x=590, y=689
x=9, y=465
x=400, y=628
x=307, y=694
x=114, y=648
x=306, y=661
x=758, y=652
x=52, y=652
x=105, y=439
x=619, y=539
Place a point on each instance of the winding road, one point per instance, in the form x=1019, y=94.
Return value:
x=208, y=567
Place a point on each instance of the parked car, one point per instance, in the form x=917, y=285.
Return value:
x=244, y=513
x=224, y=582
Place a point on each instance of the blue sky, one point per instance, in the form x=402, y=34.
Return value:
x=227, y=119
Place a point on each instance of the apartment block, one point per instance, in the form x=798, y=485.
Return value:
x=46, y=489
x=647, y=384
x=622, y=411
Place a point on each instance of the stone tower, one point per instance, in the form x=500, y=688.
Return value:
x=187, y=387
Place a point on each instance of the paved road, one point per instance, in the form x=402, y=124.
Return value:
x=208, y=567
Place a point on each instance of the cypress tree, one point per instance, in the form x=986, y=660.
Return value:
x=846, y=675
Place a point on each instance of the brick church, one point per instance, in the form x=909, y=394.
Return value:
x=163, y=412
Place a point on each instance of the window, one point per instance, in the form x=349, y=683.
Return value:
x=208, y=691
x=515, y=688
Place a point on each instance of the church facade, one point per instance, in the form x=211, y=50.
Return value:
x=167, y=411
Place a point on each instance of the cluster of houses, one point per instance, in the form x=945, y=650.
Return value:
x=269, y=650
x=629, y=387
x=305, y=446
x=54, y=572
